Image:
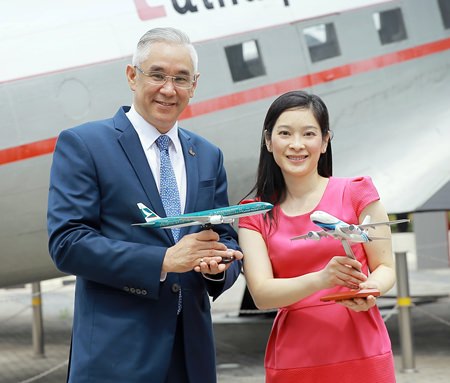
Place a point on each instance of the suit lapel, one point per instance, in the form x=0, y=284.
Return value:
x=192, y=176
x=129, y=140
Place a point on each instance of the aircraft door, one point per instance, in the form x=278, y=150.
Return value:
x=336, y=56
x=322, y=52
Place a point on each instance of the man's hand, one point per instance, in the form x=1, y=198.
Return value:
x=211, y=266
x=196, y=249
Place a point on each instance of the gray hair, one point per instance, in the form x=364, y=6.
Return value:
x=165, y=35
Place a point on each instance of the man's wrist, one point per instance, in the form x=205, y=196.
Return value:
x=215, y=277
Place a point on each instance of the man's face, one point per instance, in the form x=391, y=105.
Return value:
x=161, y=105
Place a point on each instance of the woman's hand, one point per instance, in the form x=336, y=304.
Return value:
x=342, y=271
x=362, y=304
x=359, y=304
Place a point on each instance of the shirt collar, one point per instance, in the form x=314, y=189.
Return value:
x=148, y=133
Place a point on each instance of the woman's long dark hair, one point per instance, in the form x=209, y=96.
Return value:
x=270, y=185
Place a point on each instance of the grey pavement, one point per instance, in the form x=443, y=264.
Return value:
x=240, y=341
x=240, y=347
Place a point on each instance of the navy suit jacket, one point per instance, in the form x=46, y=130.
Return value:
x=125, y=317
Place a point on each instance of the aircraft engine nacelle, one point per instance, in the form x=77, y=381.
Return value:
x=351, y=229
x=216, y=219
x=313, y=235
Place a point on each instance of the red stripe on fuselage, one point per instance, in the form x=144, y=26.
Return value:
x=25, y=151
x=271, y=90
x=44, y=147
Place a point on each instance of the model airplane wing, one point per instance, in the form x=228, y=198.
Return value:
x=182, y=220
x=374, y=224
x=313, y=235
x=168, y=223
x=197, y=218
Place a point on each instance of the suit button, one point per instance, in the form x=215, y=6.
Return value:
x=138, y=291
x=144, y=292
x=132, y=290
x=126, y=288
x=176, y=288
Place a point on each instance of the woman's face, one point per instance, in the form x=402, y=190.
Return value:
x=296, y=142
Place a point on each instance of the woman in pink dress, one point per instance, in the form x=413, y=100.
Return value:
x=311, y=340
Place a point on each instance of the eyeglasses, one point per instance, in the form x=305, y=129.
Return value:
x=160, y=78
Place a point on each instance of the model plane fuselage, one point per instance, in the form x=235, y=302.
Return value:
x=206, y=217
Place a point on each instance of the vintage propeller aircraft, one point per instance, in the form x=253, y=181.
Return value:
x=381, y=66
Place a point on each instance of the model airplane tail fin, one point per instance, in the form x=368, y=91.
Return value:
x=366, y=220
x=148, y=214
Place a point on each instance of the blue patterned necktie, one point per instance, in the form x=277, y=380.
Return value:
x=168, y=191
x=168, y=188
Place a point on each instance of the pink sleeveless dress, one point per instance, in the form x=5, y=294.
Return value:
x=314, y=341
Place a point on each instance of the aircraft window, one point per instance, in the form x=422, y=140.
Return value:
x=444, y=6
x=390, y=26
x=322, y=42
x=245, y=61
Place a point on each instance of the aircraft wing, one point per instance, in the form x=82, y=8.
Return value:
x=372, y=225
x=197, y=218
x=164, y=223
x=313, y=235
x=185, y=220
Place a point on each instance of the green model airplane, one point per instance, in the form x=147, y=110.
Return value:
x=206, y=217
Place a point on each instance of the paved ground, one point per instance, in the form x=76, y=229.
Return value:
x=240, y=347
x=240, y=341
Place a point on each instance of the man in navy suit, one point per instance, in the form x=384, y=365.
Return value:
x=142, y=308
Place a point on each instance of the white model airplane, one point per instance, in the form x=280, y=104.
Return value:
x=205, y=218
x=337, y=229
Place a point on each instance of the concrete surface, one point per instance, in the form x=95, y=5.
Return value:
x=240, y=341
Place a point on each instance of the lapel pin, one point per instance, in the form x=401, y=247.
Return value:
x=191, y=152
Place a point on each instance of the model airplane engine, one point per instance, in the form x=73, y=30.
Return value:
x=313, y=235
x=351, y=229
x=216, y=219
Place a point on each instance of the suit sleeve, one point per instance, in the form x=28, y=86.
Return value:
x=76, y=243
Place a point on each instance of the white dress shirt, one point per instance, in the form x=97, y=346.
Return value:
x=148, y=135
